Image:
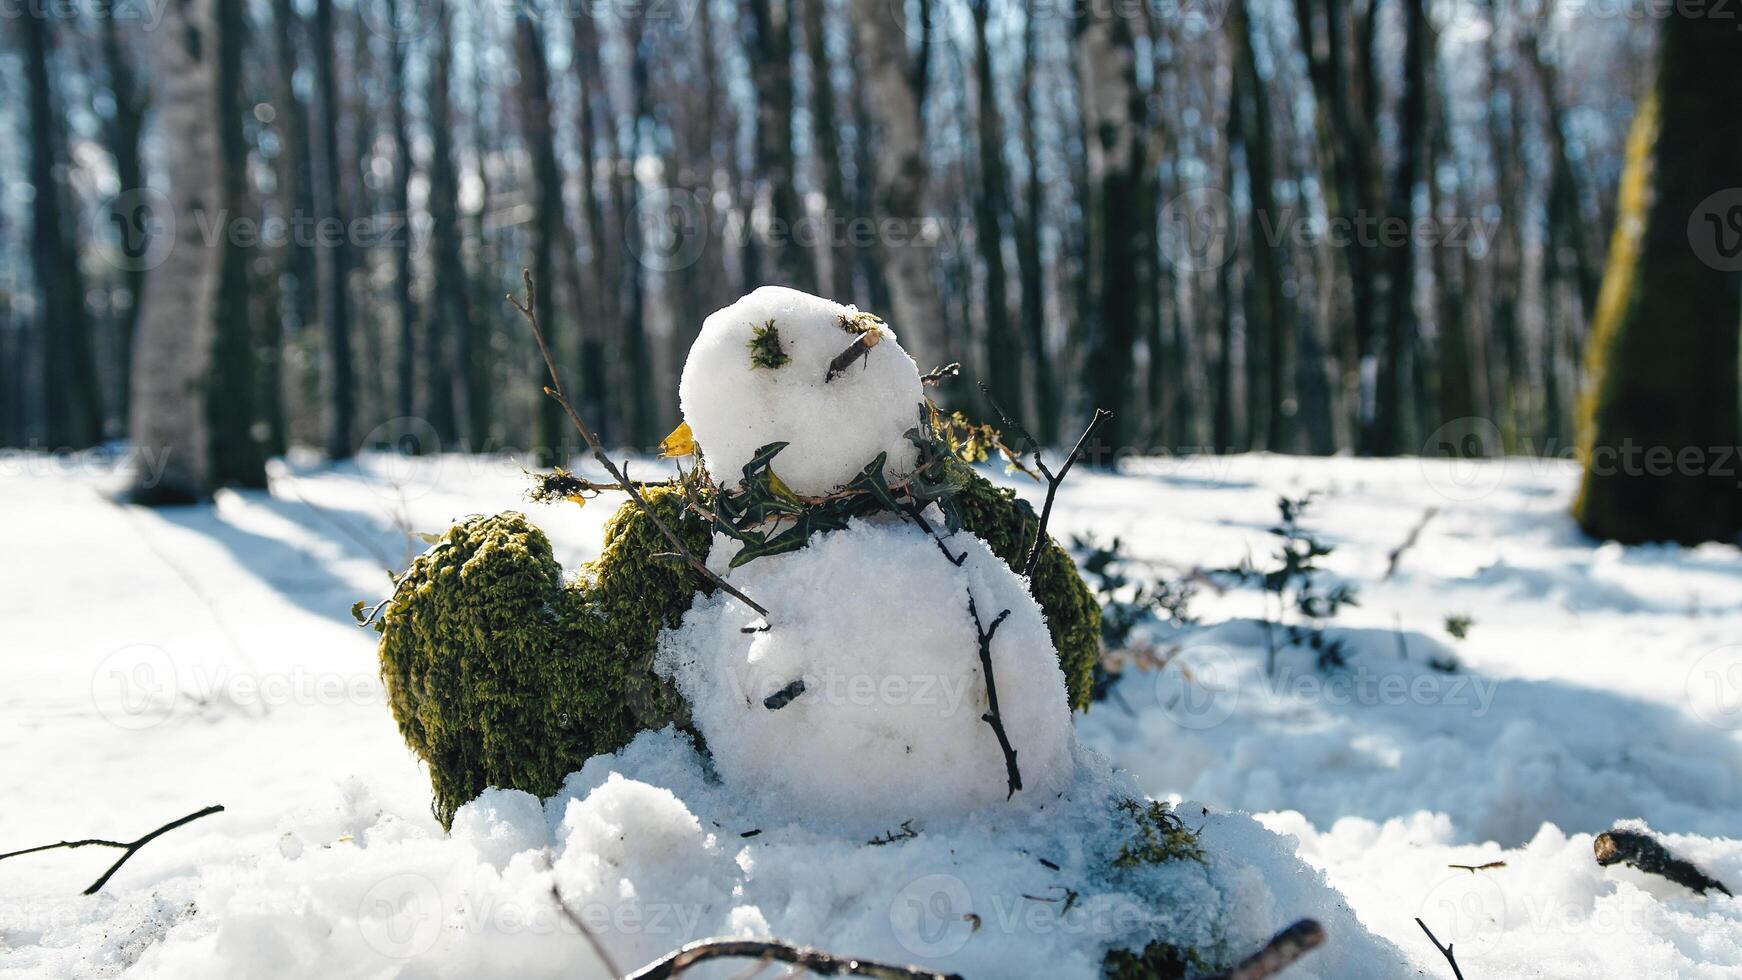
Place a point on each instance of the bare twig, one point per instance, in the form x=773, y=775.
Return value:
x=1642, y=851
x=938, y=375
x=1396, y=557
x=1473, y=868
x=860, y=347
x=593, y=940
x=130, y=847
x=992, y=716
x=1445, y=951
x=1280, y=953
x=555, y=390
x=814, y=960
x=1053, y=480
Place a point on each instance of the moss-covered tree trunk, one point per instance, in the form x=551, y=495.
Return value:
x=1659, y=424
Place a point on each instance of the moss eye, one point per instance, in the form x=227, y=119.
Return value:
x=764, y=347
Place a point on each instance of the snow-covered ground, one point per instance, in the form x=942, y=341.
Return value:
x=152, y=663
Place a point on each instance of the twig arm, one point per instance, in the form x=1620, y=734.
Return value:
x=555, y=390
x=993, y=717
x=1445, y=951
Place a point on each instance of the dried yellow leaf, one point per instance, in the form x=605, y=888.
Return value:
x=681, y=442
x=579, y=501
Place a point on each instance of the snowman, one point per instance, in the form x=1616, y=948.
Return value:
x=903, y=671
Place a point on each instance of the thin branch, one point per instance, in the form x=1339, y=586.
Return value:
x=556, y=391
x=1032, y=563
x=939, y=375
x=1287, y=947
x=860, y=347
x=593, y=940
x=131, y=847
x=1396, y=557
x=992, y=716
x=1445, y=951
x=814, y=960
x=1052, y=488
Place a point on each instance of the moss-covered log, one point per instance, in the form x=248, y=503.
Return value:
x=499, y=674
x=1659, y=424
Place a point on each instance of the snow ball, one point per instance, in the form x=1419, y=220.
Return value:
x=501, y=823
x=627, y=837
x=863, y=704
x=756, y=375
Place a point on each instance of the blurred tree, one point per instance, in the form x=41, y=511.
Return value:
x=333, y=246
x=237, y=454
x=124, y=132
x=173, y=350
x=991, y=202
x=894, y=83
x=546, y=202
x=1660, y=423
x=73, y=409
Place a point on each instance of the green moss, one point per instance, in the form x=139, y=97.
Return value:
x=764, y=347
x=1159, y=836
x=1073, y=617
x=501, y=675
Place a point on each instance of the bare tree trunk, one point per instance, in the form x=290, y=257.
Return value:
x=334, y=248
x=893, y=101
x=826, y=136
x=124, y=132
x=1266, y=334
x=991, y=202
x=1044, y=421
x=770, y=44
x=236, y=456
x=452, y=325
x=1390, y=430
x=404, y=304
x=1663, y=355
x=601, y=283
x=1113, y=112
x=72, y=410
x=173, y=352
x=547, y=211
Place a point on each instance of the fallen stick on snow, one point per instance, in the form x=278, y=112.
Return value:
x=555, y=390
x=1445, y=951
x=1642, y=851
x=1396, y=557
x=131, y=847
x=814, y=960
x=1287, y=947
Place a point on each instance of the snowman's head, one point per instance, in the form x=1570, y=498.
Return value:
x=759, y=373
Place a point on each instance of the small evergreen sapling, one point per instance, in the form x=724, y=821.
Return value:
x=1294, y=584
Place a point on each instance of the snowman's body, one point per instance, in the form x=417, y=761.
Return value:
x=864, y=692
